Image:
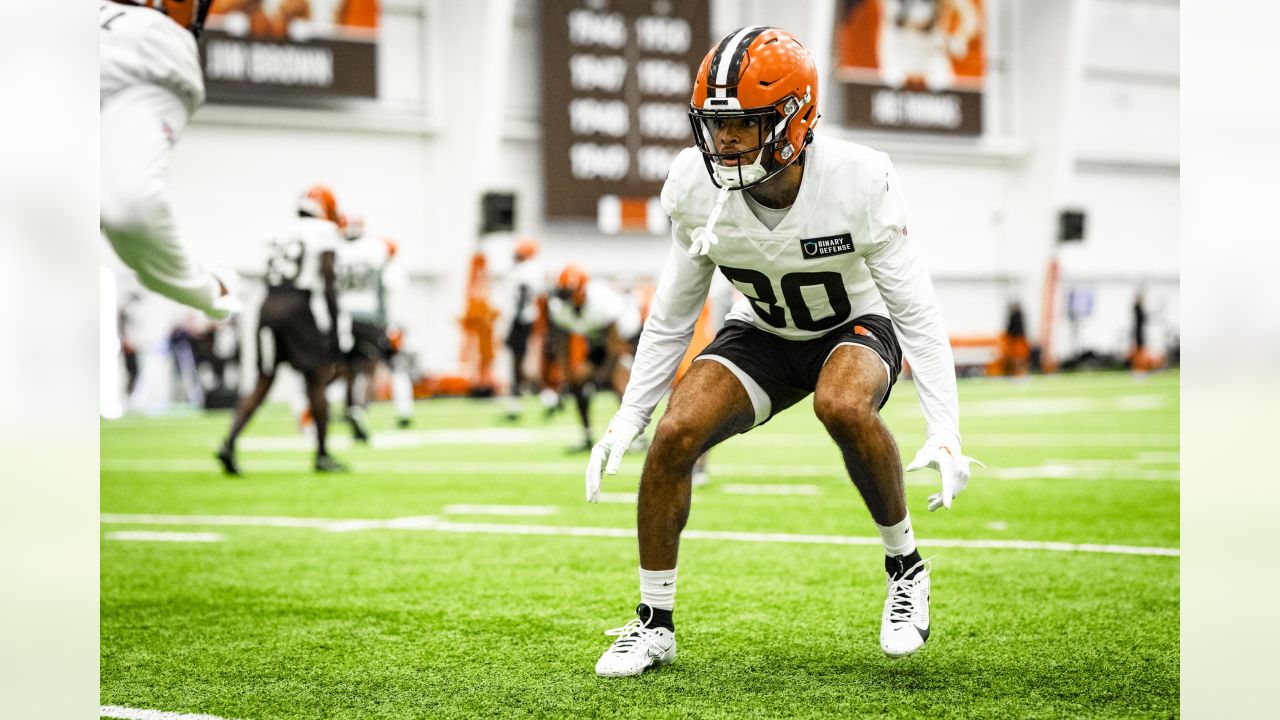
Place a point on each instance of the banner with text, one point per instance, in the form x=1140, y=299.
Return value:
x=289, y=51
x=912, y=65
x=616, y=81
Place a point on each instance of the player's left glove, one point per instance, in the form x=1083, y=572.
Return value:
x=607, y=454
x=942, y=453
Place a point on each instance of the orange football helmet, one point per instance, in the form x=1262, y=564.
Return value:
x=764, y=78
x=526, y=247
x=190, y=14
x=319, y=202
x=352, y=225
x=572, y=285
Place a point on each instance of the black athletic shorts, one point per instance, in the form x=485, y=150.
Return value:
x=787, y=370
x=287, y=332
x=518, y=338
x=597, y=350
x=370, y=342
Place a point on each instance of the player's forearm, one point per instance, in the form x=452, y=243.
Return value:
x=677, y=303
x=907, y=290
x=152, y=250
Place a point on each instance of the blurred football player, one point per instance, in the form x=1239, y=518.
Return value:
x=606, y=324
x=299, y=321
x=814, y=234
x=150, y=85
x=359, y=265
x=530, y=280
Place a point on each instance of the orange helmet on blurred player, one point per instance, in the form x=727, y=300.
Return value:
x=190, y=14
x=526, y=247
x=572, y=285
x=766, y=78
x=352, y=225
x=318, y=202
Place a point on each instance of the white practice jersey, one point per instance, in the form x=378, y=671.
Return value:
x=293, y=255
x=841, y=251
x=604, y=307
x=359, y=264
x=141, y=46
x=529, y=280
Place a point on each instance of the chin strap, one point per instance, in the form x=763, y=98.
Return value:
x=703, y=237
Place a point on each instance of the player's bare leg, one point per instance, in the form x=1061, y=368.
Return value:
x=359, y=376
x=317, y=381
x=579, y=387
x=245, y=409
x=847, y=401
x=708, y=406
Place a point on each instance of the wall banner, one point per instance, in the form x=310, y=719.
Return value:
x=912, y=65
x=290, y=51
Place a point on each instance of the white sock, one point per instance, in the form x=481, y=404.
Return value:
x=898, y=539
x=658, y=588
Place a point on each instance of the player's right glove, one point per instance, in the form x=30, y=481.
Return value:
x=607, y=454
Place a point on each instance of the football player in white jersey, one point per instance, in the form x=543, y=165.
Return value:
x=529, y=278
x=597, y=312
x=150, y=85
x=814, y=233
x=359, y=265
x=299, y=321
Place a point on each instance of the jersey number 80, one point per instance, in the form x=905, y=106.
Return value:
x=764, y=299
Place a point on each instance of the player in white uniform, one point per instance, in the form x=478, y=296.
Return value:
x=299, y=320
x=609, y=323
x=150, y=85
x=529, y=278
x=358, y=265
x=814, y=234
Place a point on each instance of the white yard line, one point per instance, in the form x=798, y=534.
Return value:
x=415, y=438
x=619, y=498
x=1063, y=470
x=144, y=536
x=1053, y=470
x=764, y=438
x=762, y=489
x=431, y=524
x=1007, y=407
x=124, y=713
x=514, y=510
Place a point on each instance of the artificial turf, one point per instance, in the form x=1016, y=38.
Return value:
x=472, y=614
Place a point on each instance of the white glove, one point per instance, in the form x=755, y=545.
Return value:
x=225, y=304
x=616, y=441
x=942, y=453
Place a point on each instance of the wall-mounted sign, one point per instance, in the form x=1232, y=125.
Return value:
x=616, y=80
x=912, y=65
x=283, y=51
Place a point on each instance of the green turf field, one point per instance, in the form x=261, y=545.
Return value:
x=411, y=588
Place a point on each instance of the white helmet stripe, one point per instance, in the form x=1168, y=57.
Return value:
x=725, y=58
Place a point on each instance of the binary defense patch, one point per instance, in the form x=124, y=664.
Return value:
x=817, y=248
